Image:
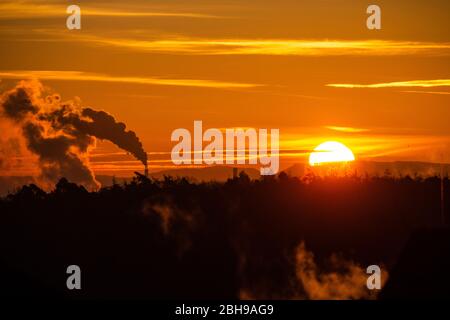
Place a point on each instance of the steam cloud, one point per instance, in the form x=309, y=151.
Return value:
x=346, y=281
x=62, y=134
x=342, y=280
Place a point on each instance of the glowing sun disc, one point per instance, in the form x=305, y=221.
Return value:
x=330, y=151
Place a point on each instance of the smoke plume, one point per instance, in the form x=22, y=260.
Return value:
x=62, y=134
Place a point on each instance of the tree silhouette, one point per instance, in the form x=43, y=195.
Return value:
x=172, y=238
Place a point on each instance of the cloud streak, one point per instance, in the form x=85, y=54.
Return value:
x=295, y=47
x=35, y=9
x=346, y=129
x=398, y=84
x=427, y=92
x=86, y=76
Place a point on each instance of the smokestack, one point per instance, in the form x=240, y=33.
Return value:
x=64, y=152
x=146, y=170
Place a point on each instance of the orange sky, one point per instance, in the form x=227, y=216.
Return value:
x=310, y=68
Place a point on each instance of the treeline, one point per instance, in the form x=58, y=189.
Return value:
x=173, y=238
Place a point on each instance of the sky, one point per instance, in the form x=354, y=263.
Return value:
x=309, y=68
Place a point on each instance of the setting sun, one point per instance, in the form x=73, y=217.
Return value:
x=330, y=151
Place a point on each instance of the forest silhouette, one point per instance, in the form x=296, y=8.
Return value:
x=177, y=239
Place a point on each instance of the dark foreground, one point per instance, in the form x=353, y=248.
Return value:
x=278, y=238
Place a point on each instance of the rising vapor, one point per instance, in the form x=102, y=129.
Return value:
x=62, y=134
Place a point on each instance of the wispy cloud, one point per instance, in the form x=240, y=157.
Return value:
x=85, y=76
x=36, y=9
x=412, y=83
x=284, y=47
x=427, y=92
x=347, y=129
